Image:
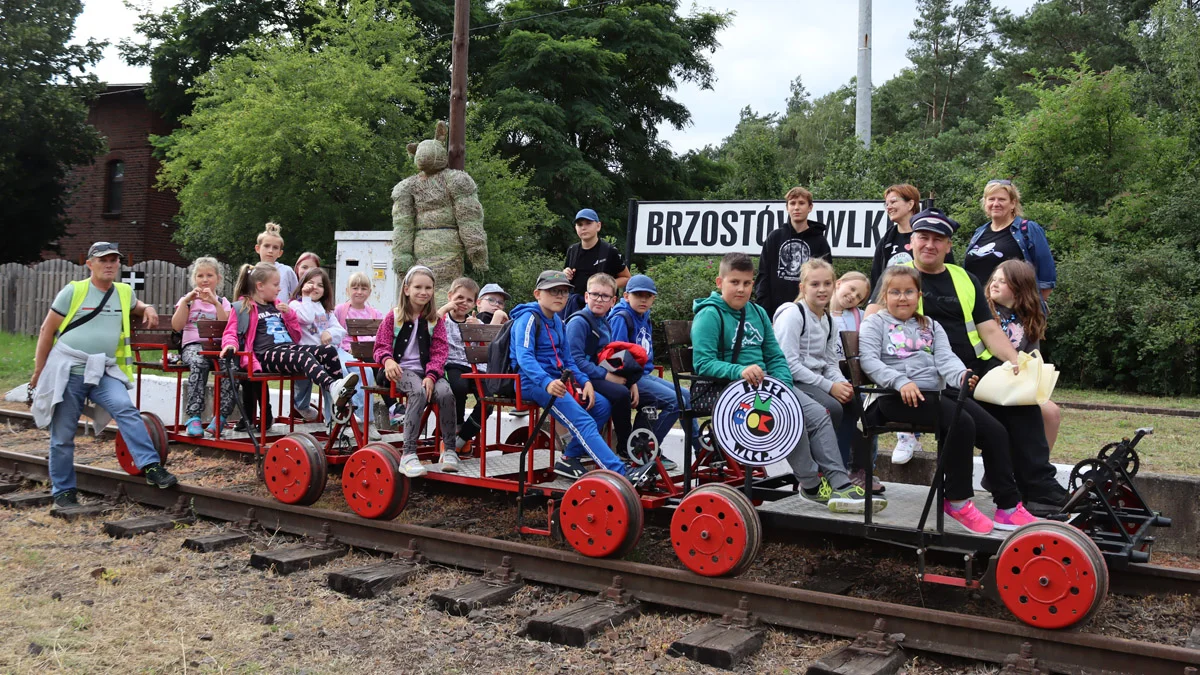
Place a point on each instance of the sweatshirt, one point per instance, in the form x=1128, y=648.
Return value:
x=584, y=327
x=391, y=344
x=784, y=251
x=621, y=318
x=314, y=320
x=714, y=330
x=894, y=353
x=540, y=356
x=809, y=343
x=241, y=327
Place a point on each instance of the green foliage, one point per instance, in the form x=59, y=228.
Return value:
x=1129, y=319
x=680, y=280
x=951, y=45
x=43, y=120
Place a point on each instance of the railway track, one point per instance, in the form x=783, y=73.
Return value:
x=927, y=630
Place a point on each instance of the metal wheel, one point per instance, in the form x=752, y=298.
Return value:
x=642, y=446
x=1087, y=468
x=519, y=437
x=716, y=531
x=704, y=441
x=158, y=438
x=1051, y=575
x=601, y=515
x=372, y=482
x=1132, y=461
x=294, y=470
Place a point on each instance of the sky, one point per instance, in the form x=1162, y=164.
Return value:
x=768, y=44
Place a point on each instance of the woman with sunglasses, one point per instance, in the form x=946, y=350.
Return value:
x=1009, y=236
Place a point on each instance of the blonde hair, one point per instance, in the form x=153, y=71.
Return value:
x=248, y=279
x=206, y=261
x=270, y=230
x=855, y=275
x=602, y=278
x=1008, y=188
x=895, y=272
x=464, y=282
x=359, y=280
x=813, y=265
x=404, y=308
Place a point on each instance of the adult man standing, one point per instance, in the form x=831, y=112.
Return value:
x=83, y=353
x=786, y=250
x=954, y=298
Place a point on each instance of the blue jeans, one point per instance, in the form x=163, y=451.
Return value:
x=110, y=394
x=584, y=426
x=653, y=390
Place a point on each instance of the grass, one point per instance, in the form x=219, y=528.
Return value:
x=1174, y=448
x=16, y=359
x=1066, y=394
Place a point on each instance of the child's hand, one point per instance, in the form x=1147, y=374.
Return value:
x=556, y=388
x=842, y=391
x=392, y=370
x=427, y=384
x=588, y=394
x=499, y=317
x=970, y=384
x=570, y=272
x=911, y=394
x=473, y=319
x=226, y=351
x=615, y=378
x=444, y=309
x=283, y=307
x=633, y=396
x=1016, y=367
x=206, y=295
x=753, y=374
x=326, y=338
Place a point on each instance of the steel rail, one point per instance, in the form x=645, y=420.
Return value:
x=927, y=630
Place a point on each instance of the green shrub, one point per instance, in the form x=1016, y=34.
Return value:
x=680, y=281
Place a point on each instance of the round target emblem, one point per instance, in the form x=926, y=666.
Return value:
x=758, y=426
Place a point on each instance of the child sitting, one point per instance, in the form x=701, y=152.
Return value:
x=851, y=289
x=732, y=339
x=489, y=307
x=411, y=345
x=201, y=304
x=587, y=334
x=313, y=305
x=455, y=313
x=358, y=289
x=540, y=354
x=903, y=350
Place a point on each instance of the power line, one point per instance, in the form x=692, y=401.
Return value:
x=536, y=16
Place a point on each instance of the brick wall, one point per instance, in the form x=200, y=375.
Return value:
x=143, y=227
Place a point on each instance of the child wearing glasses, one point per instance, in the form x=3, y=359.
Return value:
x=489, y=306
x=587, y=334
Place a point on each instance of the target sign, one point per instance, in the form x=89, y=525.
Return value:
x=758, y=426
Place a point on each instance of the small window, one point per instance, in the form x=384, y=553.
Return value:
x=116, y=182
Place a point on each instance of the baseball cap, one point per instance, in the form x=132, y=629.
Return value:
x=488, y=289
x=934, y=220
x=103, y=248
x=587, y=214
x=552, y=279
x=640, y=283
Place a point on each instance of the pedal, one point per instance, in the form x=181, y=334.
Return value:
x=641, y=475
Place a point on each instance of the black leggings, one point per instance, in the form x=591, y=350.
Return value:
x=461, y=387
x=318, y=363
x=974, y=428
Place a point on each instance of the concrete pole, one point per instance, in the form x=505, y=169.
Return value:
x=862, y=110
x=456, y=151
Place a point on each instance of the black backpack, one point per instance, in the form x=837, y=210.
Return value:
x=499, y=362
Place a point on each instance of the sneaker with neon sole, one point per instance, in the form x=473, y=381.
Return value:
x=970, y=517
x=1011, y=521
x=411, y=465
x=853, y=499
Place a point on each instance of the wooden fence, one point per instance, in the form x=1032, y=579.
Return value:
x=27, y=292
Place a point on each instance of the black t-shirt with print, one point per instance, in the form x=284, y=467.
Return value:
x=1011, y=324
x=895, y=248
x=603, y=257
x=270, y=330
x=942, y=305
x=992, y=249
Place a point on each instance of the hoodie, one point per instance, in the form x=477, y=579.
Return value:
x=621, y=318
x=241, y=326
x=784, y=251
x=580, y=331
x=714, y=330
x=894, y=353
x=809, y=343
x=540, y=350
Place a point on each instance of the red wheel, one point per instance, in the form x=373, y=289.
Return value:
x=372, y=482
x=716, y=531
x=294, y=470
x=601, y=515
x=1051, y=575
x=158, y=438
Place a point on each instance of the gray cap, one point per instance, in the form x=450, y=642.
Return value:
x=494, y=288
x=103, y=248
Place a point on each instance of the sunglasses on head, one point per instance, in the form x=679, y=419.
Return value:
x=999, y=181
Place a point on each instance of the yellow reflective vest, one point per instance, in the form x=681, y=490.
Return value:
x=125, y=296
x=965, y=290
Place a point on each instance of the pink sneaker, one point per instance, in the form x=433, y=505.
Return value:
x=970, y=517
x=1011, y=521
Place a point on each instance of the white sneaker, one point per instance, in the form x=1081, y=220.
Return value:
x=309, y=414
x=449, y=461
x=341, y=391
x=372, y=432
x=905, y=445
x=412, y=467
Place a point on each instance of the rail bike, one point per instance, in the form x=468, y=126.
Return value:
x=1050, y=574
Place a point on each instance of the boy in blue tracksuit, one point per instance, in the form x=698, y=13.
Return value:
x=587, y=332
x=540, y=352
x=629, y=321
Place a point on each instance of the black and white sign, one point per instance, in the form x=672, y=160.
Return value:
x=853, y=228
x=757, y=426
x=135, y=279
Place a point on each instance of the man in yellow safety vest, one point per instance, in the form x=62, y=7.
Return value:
x=83, y=353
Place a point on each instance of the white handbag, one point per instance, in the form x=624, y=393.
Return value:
x=1031, y=385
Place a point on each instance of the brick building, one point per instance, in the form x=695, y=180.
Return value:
x=115, y=199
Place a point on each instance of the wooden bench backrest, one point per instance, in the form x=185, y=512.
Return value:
x=850, y=348
x=679, y=345
x=363, y=350
x=476, y=338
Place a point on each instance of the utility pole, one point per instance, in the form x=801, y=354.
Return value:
x=458, y=85
x=862, y=109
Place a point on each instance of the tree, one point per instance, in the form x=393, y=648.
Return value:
x=753, y=155
x=951, y=44
x=809, y=132
x=43, y=120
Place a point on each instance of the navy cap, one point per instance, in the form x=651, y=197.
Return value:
x=103, y=248
x=640, y=283
x=587, y=214
x=934, y=220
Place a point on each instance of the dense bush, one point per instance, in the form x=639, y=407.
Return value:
x=1128, y=318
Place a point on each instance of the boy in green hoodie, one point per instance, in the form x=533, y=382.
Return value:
x=721, y=350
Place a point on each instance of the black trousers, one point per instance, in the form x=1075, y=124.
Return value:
x=1028, y=448
x=973, y=428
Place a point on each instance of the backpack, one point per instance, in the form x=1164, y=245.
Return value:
x=500, y=363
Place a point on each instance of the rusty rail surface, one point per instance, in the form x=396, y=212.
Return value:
x=928, y=630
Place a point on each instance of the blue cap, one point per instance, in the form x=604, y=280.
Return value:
x=640, y=283
x=587, y=214
x=934, y=220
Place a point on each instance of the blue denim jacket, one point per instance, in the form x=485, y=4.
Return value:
x=1031, y=239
